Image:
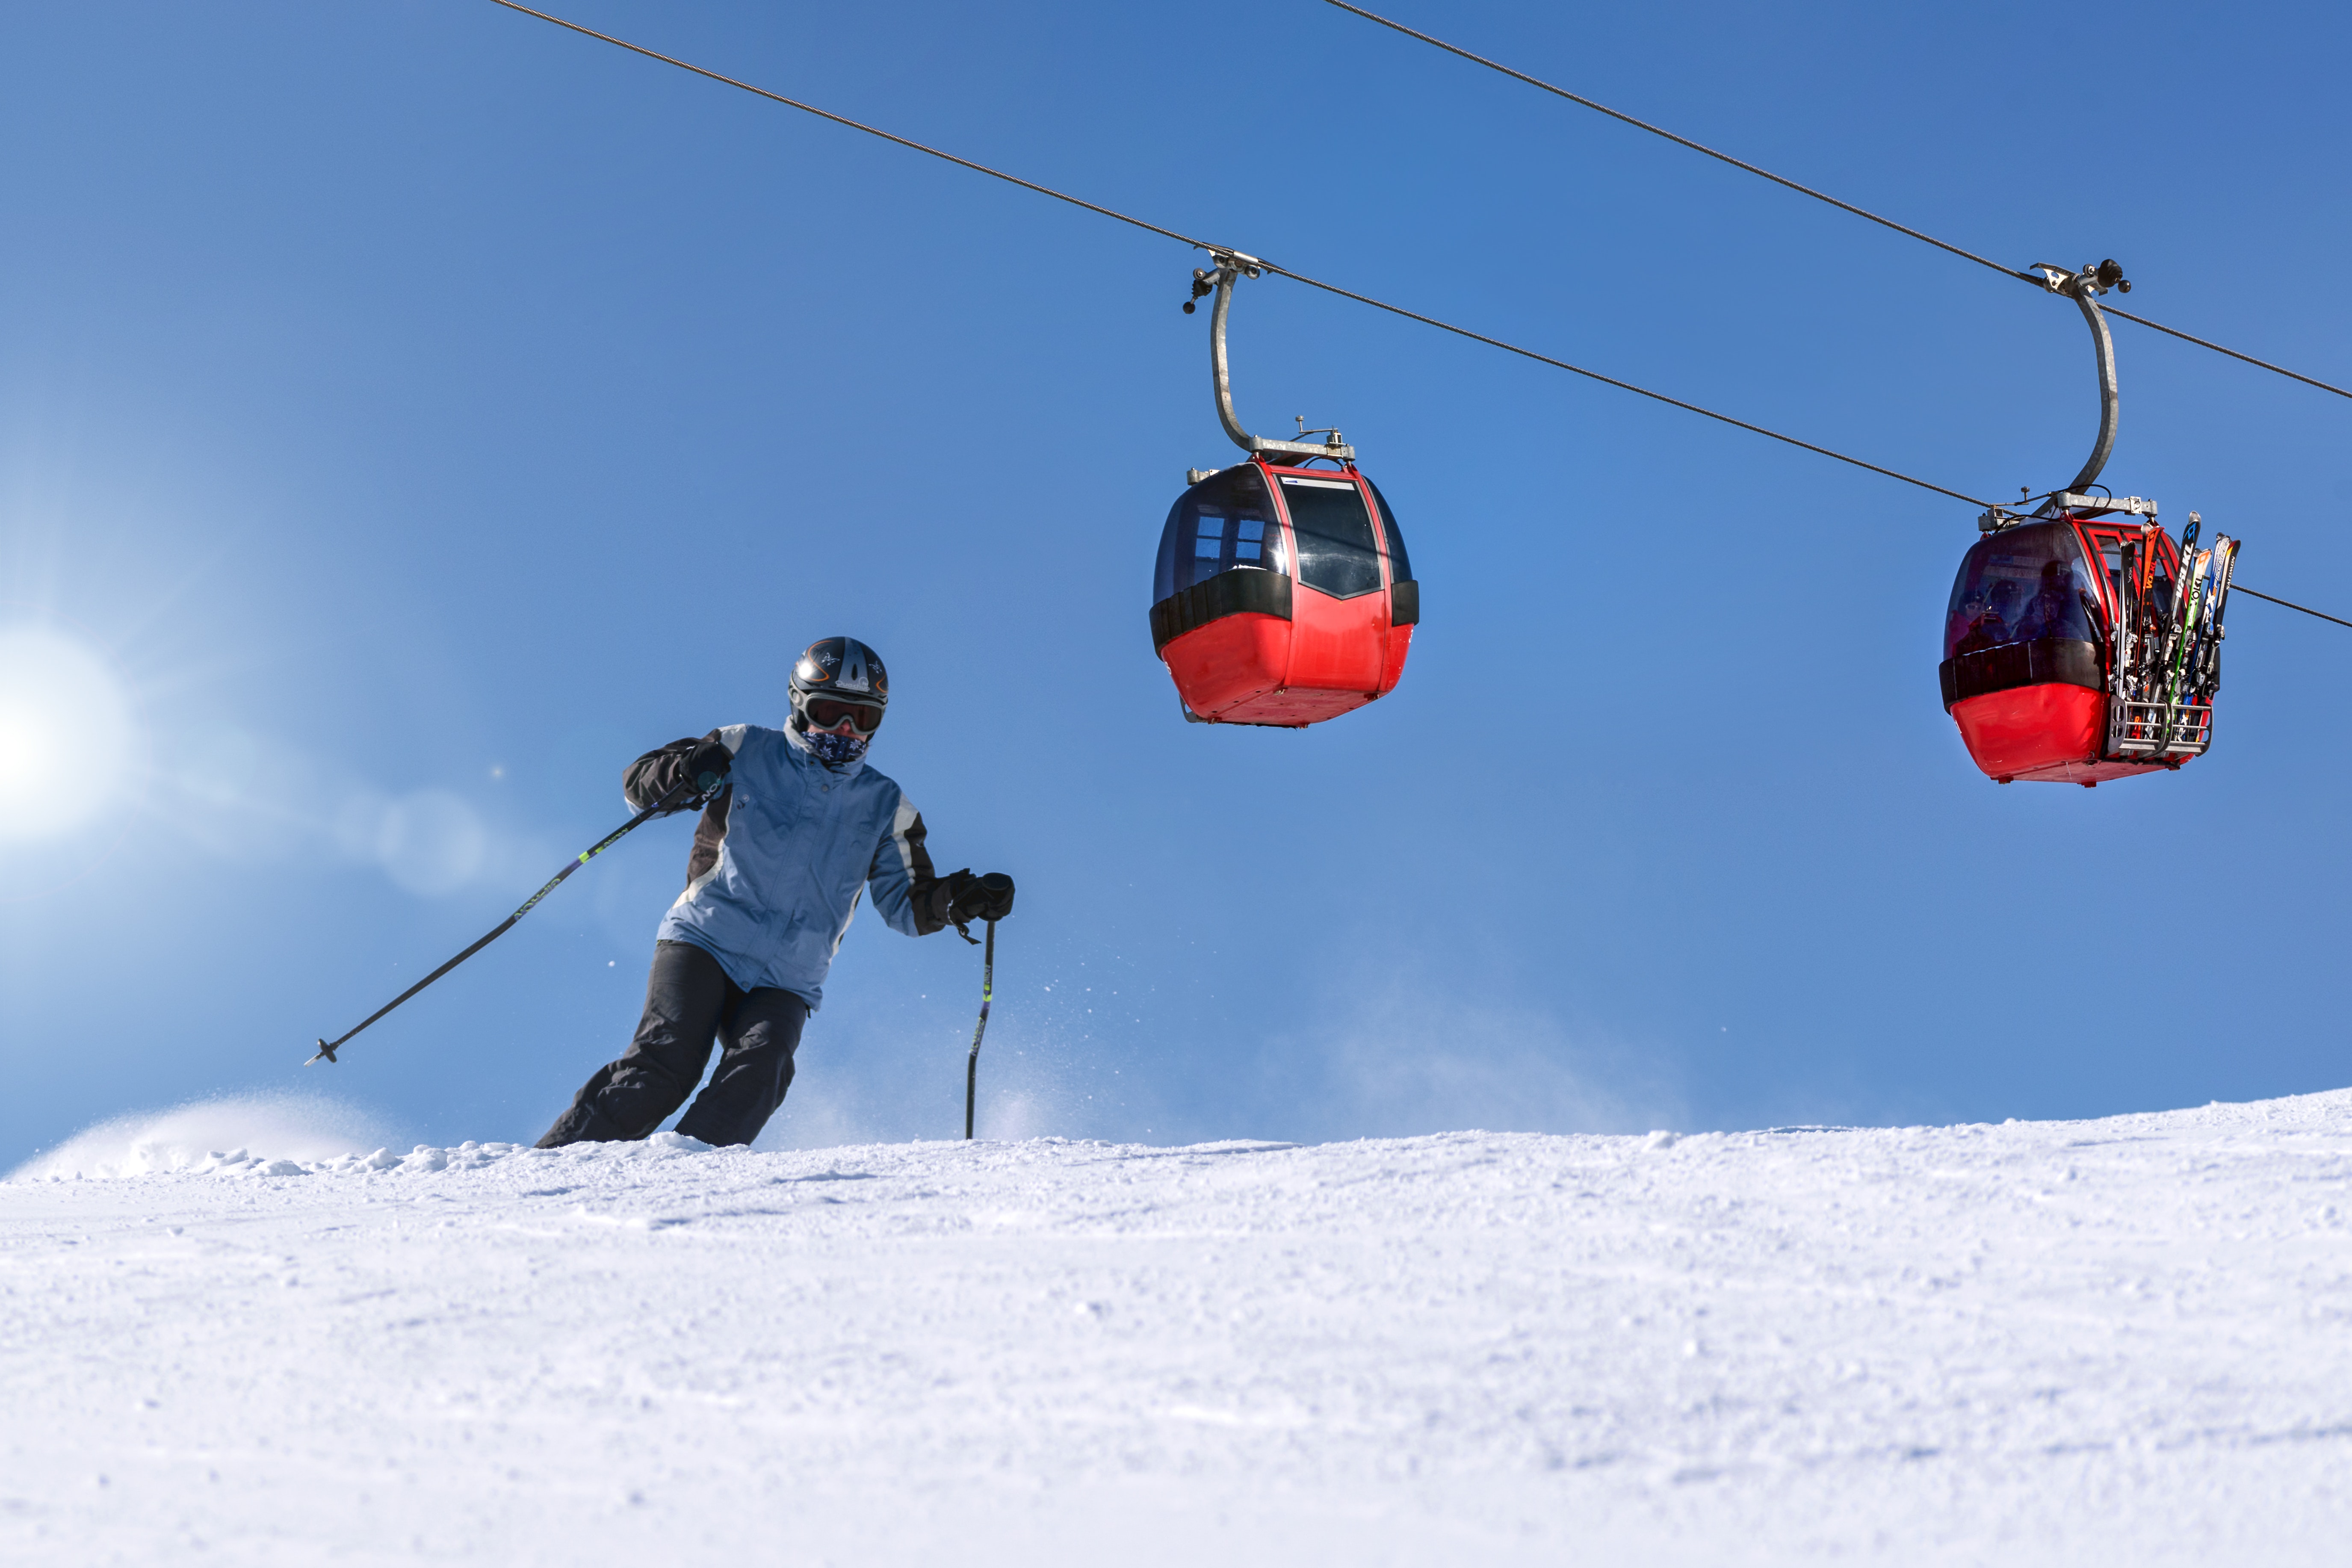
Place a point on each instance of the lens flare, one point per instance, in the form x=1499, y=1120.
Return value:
x=64, y=734
x=431, y=842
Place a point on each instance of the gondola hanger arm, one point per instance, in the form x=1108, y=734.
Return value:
x=2084, y=287
x=1232, y=265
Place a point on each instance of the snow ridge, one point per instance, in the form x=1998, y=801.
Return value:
x=145, y=1159
x=210, y=1135
x=2114, y=1340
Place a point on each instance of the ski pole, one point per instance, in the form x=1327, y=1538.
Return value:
x=659, y=808
x=971, y=1063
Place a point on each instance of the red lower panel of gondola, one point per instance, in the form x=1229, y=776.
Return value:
x=2050, y=733
x=1333, y=655
x=1400, y=641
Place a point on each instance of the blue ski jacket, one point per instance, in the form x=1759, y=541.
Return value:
x=783, y=854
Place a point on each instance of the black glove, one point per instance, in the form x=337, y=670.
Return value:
x=707, y=767
x=971, y=897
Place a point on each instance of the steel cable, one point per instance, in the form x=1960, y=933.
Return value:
x=2241, y=588
x=1204, y=245
x=853, y=124
x=1607, y=379
x=2025, y=277
x=1316, y=282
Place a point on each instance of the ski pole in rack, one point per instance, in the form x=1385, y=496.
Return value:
x=661, y=807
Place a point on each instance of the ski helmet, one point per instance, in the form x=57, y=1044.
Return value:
x=845, y=681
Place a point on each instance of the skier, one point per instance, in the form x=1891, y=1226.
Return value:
x=797, y=828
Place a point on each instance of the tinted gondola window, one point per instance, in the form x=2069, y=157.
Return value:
x=1400, y=563
x=1209, y=537
x=1218, y=525
x=1337, y=551
x=2022, y=584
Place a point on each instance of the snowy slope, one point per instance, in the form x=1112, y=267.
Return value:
x=2126, y=1340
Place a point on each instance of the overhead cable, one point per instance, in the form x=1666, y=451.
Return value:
x=1607, y=379
x=1268, y=266
x=1204, y=245
x=2241, y=588
x=2027, y=276
x=853, y=124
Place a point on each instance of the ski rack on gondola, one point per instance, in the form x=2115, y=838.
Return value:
x=2168, y=655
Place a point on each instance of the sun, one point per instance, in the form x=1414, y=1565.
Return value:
x=66, y=731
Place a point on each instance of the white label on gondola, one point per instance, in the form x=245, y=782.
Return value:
x=1319, y=484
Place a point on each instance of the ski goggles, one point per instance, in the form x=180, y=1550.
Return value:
x=827, y=712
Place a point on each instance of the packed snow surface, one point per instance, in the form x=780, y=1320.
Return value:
x=2126, y=1340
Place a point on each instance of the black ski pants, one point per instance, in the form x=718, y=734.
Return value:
x=689, y=1002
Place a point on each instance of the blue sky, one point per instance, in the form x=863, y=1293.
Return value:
x=413, y=412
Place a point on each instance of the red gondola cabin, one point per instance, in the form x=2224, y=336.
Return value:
x=2065, y=657
x=1283, y=596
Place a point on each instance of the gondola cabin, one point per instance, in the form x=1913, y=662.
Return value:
x=2069, y=657
x=1283, y=596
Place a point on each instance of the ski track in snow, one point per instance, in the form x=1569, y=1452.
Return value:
x=2124, y=1340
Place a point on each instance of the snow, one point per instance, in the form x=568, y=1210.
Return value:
x=2123, y=1340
